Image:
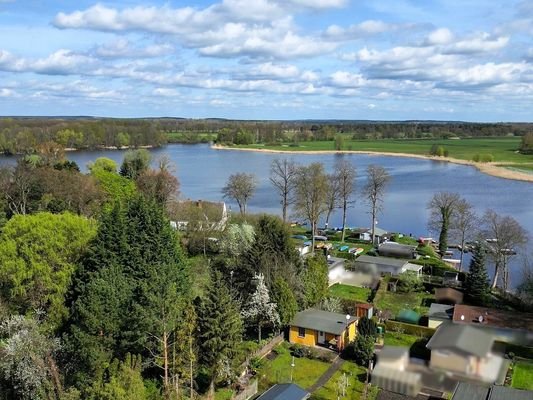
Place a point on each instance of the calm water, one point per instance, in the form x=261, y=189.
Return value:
x=203, y=171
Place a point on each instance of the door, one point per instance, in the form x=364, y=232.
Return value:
x=321, y=337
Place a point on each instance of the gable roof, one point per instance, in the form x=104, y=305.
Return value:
x=461, y=338
x=492, y=317
x=324, y=321
x=392, y=262
x=442, y=312
x=471, y=391
x=285, y=391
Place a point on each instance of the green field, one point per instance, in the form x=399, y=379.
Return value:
x=523, y=375
x=502, y=149
x=395, y=302
x=399, y=339
x=355, y=377
x=347, y=292
x=278, y=370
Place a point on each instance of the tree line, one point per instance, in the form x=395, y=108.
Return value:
x=26, y=135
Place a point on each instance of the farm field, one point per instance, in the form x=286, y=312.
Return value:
x=502, y=149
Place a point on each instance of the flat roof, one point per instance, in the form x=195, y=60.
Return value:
x=392, y=352
x=324, y=321
x=471, y=391
x=493, y=317
x=413, y=267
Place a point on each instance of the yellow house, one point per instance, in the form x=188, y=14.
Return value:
x=313, y=327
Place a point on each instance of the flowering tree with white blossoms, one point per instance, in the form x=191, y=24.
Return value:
x=259, y=310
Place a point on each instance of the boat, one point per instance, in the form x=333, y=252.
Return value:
x=321, y=238
x=344, y=248
x=301, y=237
x=356, y=250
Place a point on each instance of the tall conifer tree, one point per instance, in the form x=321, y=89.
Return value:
x=477, y=281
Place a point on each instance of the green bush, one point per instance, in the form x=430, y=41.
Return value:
x=476, y=158
x=487, y=158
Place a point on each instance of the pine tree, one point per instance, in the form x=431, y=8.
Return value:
x=477, y=281
x=285, y=300
x=220, y=328
x=259, y=309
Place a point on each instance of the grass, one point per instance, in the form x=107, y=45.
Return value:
x=305, y=372
x=355, y=376
x=503, y=149
x=399, y=339
x=523, y=375
x=395, y=302
x=224, y=394
x=347, y=292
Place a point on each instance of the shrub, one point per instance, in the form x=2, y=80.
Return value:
x=255, y=364
x=487, y=158
x=367, y=327
x=476, y=158
x=300, y=351
x=422, y=331
x=361, y=350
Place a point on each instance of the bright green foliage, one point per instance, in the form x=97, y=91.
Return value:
x=409, y=282
x=124, y=381
x=220, y=327
x=315, y=280
x=116, y=187
x=135, y=163
x=477, y=286
x=103, y=163
x=285, y=300
x=38, y=256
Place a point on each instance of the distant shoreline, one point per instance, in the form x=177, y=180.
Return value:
x=487, y=168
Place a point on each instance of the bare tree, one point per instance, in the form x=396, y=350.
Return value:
x=464, y=224
x=241, y=187
x=377, y=180
x=504, y=235
x=283, y=177
x=332, y=196
x=345, y=173
x=310, y=195
x=442, y=207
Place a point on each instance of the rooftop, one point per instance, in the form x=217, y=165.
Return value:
x=449, y=294
x=324, y=321
x=492, y=317
x=285, y=391
x=393, y=352
x=471, y=391
x=442, y=312
x=394, y=262
x=461, y=338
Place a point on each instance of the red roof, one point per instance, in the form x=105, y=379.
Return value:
x=492, y=317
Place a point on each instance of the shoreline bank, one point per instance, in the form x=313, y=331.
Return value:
x=487, y=168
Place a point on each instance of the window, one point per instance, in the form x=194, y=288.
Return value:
x=321, y=333
x=301, y=332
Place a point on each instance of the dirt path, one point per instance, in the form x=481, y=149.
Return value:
x=326, y=376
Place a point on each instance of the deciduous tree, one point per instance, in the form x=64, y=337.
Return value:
x=283, y=175
x=374, y=190
x=442, y=207
x=241, y=188
x=345, y=174
x=316, y=282
x=464, y=224
x=135, y=163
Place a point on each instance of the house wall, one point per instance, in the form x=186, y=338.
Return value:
x=310, y=338
x=434, y=323
x=452, y=362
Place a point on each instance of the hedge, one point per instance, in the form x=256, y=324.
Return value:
x=410, y=329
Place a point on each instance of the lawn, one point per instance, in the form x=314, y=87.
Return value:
x=399, y=339
x=395, y=302
x=347, y=292
x=503, y=149
x=278, y=370
x=355, y=377
x=523, y=375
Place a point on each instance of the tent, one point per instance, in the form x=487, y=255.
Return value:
x=409, y=316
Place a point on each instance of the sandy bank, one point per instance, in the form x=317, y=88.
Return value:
x=487, y=168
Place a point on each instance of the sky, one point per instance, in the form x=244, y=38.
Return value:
x=469, y=60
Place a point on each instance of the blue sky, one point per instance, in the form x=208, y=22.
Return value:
x=269, y=59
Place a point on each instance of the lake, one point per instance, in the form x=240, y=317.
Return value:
x=203, y=171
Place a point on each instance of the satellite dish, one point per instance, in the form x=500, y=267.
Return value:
x=480, y=319
x=348, y=317
x=462, y=317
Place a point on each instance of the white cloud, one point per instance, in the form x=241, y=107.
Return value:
x=440, y=36
x=361, y=30
x=4, y=92
x=123, y=48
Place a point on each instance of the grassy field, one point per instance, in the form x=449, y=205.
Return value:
x=399, y=339
x=395, y=302
x=355, y=376
x=349, y=292
x=502, y=149
x=523, y=375
x=278, y=370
